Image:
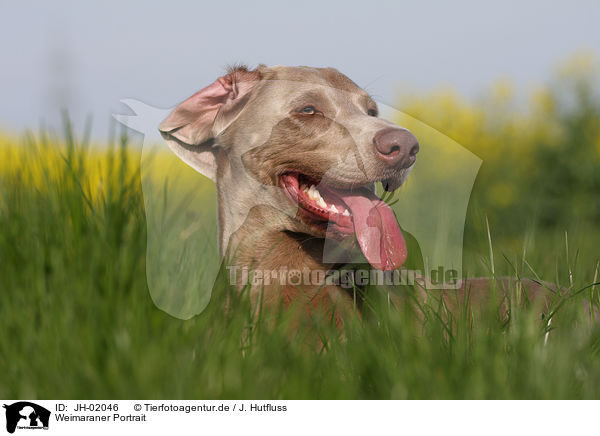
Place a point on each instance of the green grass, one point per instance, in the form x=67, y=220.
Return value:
x=77, y=320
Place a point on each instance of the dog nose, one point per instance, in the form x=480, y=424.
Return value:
x=396, y=147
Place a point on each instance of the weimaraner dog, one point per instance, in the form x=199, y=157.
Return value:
x=295, y=153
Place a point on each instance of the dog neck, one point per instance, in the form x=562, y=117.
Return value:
x=264, y=242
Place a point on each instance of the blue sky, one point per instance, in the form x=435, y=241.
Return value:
x=87, y=56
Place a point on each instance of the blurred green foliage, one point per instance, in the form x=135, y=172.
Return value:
x=540, y=151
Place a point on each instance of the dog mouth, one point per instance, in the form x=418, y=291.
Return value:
x=346, y=212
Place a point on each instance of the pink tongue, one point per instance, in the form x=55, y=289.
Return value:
x=377, y=230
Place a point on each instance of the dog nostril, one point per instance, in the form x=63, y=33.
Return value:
x=395, y=149
x=414, y=150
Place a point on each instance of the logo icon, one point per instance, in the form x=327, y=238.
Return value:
x=26, y=415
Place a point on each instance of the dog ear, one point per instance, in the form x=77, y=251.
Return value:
x=192, y=125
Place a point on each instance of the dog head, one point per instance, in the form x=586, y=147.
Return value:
x=305, y=141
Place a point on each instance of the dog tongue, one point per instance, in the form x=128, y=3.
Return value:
x=377, y=230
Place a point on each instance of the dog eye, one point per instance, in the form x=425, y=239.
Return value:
x=309, y=110
x=372, y=112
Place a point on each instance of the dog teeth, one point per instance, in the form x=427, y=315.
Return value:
x=318, y=194
x=313, y=193
x=309, y=191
